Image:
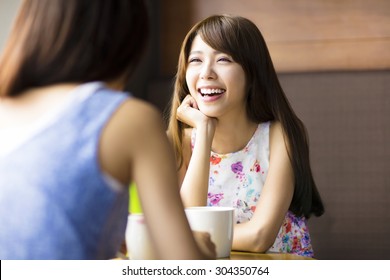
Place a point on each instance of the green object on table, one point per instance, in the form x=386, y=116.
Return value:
x=134, y=203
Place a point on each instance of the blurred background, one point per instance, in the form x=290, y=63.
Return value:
x=333, y=61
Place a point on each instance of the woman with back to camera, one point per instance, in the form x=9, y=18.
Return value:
x=71, y=141
x=237, y=140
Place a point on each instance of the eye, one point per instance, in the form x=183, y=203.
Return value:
x=225, y=59
x=194, y=60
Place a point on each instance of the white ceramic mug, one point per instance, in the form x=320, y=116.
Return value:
x=218, y=221
x=138, y=243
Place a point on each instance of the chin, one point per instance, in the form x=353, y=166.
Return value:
x=211, y=110
x=210, y=113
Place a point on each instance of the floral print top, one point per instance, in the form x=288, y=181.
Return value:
x=236, y=180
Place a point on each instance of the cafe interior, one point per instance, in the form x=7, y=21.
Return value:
x=333, y=61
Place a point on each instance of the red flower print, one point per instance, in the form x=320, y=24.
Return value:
x=296, y=245
x=215, y=160
x=288, y=227
x=256, y=166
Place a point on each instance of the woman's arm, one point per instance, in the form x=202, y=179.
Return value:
x=194, y=173
x=259, y=234
x=151, y=165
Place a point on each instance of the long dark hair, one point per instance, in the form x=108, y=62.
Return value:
x=59, y=41
x=266, y=100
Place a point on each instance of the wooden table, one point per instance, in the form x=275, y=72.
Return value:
x=237, y=255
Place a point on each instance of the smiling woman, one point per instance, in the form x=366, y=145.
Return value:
x=238, y=142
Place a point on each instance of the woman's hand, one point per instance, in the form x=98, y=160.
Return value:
x=188, y=113
x=205, y=244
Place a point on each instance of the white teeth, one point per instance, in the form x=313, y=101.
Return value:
x=211, y=91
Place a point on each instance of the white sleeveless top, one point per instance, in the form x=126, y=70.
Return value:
x=237, y=179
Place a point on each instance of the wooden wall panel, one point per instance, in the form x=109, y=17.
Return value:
x=347, y=117
x=302, y=35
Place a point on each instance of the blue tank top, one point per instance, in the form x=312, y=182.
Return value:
x=55, y=202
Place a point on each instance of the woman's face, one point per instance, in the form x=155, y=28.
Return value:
x=216, y=81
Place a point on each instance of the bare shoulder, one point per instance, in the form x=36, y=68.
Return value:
x=130, y=132
x=135, y=124
x=275, y=131
x=139, y=113
x=278, y=138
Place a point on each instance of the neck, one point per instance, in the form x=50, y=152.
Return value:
x=232, y=136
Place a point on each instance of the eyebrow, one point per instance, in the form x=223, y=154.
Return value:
x=200, y=52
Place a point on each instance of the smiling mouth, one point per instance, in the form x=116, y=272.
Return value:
x=211, y=91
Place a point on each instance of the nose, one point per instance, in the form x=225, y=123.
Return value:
x=207, y=72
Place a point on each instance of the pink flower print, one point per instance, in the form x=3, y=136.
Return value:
x=215, y=198
x=215, y=159
x=256, y=167
x=237, y=167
